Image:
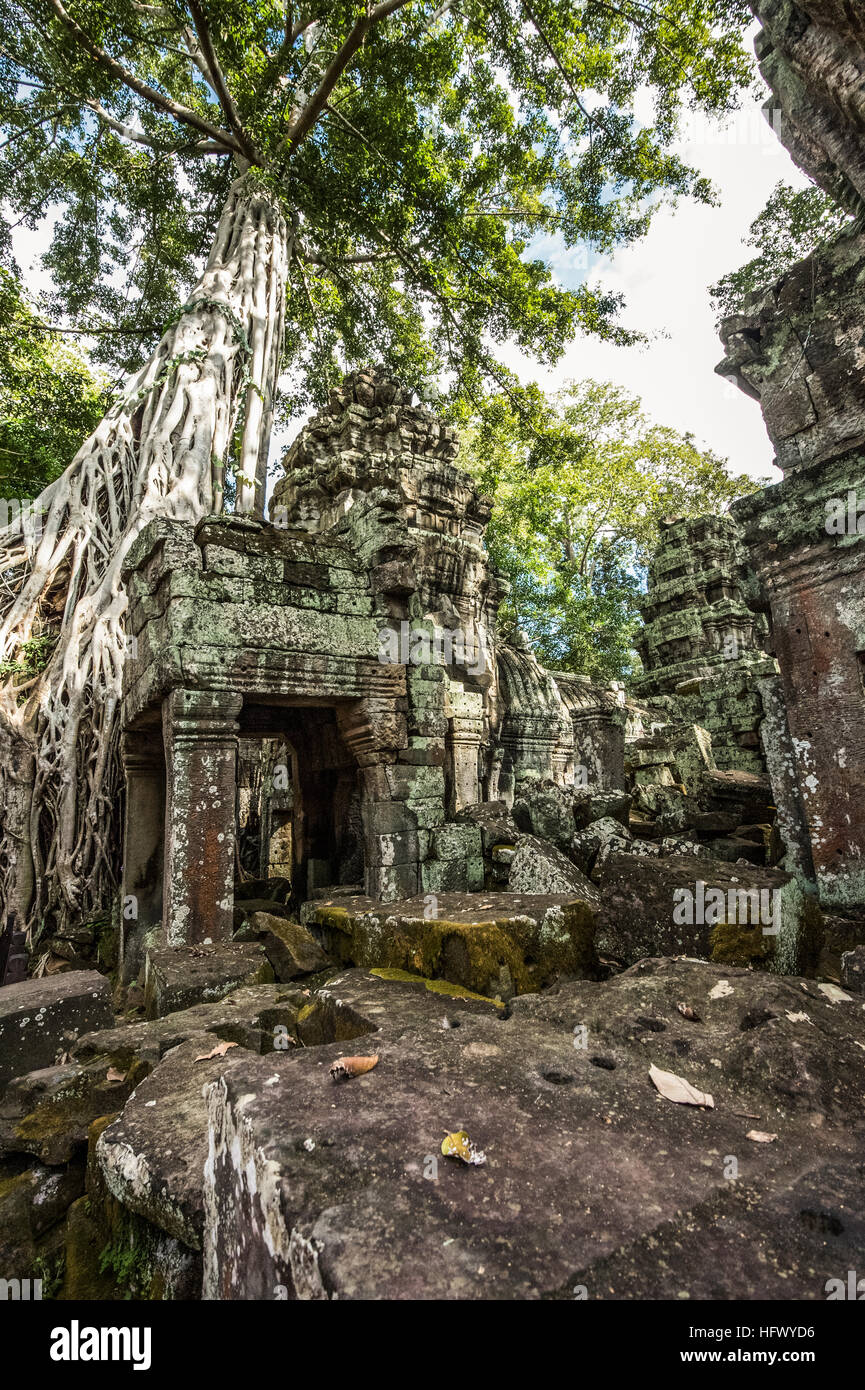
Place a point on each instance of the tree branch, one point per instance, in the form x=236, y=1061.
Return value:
x=162, y=103
x=306, y=118
x=128, y=132
x=219, y=83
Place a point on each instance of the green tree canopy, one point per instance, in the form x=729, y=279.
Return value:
x=580, y=483
x=417, y=145
x=50, y=400
x=793, y=223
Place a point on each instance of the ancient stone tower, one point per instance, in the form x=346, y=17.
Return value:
x=356, y=631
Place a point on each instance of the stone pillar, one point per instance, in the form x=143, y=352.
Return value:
x=200, y=730
x=466, y=717
x=143, y=833
x=375, y=730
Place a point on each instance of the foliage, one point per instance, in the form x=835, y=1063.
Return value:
x=792, y=224
x=418, y=147
x=580, y=482
x=50, y=400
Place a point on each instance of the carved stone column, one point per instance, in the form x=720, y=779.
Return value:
x=466, y=718
x=375, y=730
x=200, y=729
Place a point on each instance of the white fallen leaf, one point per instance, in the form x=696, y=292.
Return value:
x=834, y=994
x=677, y=1089
x=760, y=1136
x=719, y=990
x=798, y=1018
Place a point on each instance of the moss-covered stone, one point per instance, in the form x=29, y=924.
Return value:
x=525, y=946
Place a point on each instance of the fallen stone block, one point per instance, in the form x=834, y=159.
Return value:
x=290, y=948
x=48, y=1112
x=330, y=1191
x=853, y=969
x=180, y=976
x=496, y=824
x=679, y=905
x=538, y=867
x=253, y=1016
x=495, y=944
x=39, y=1019
x=592, y=805
x=602, y=835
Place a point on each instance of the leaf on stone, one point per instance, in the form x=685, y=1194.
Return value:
x=677, y=1089
x=760, y=1136
x=459, y=1145
x=835, y=995
x=798, y=1018
x=722, y=988
x=113, y=1074
x=219, y=1051
x=687, y=1012
x=346, y=1067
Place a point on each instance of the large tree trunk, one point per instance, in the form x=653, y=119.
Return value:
x=160, y=451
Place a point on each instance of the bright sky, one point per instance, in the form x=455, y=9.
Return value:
x=665, y=280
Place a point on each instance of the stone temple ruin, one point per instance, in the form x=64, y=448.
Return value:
x=359, y=820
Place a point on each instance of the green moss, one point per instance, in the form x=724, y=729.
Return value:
x=435, y=986
x=473, y=955
x=732, y=943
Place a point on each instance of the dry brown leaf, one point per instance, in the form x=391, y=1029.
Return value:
x=760, y=1136
x=687, y=1012
x=113, y=1074
x=346, y=1067
x=677, y=1089
x=219, y=1051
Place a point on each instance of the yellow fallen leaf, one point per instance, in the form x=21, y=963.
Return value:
x=219, y=1051
x=346, y=1067
x=677, y=1089
x=459, y=1145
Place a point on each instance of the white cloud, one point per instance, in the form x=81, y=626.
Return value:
x=665, y=279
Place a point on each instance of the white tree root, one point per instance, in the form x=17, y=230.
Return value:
x=160, y=451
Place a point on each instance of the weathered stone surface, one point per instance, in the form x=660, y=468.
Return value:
x=247, y=1016
x=646, y=903
x=48, y=1112
x=500, y=944
x=703, y=638
x=341, y=1191
x=290, y=948
x=538, y=867
x=41, y=1018
x=177, y=978
x=592, y=806
x=496, y=824
x=601, y=836
x=32, y=1202
x=853, y=969
x=151, y=1158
